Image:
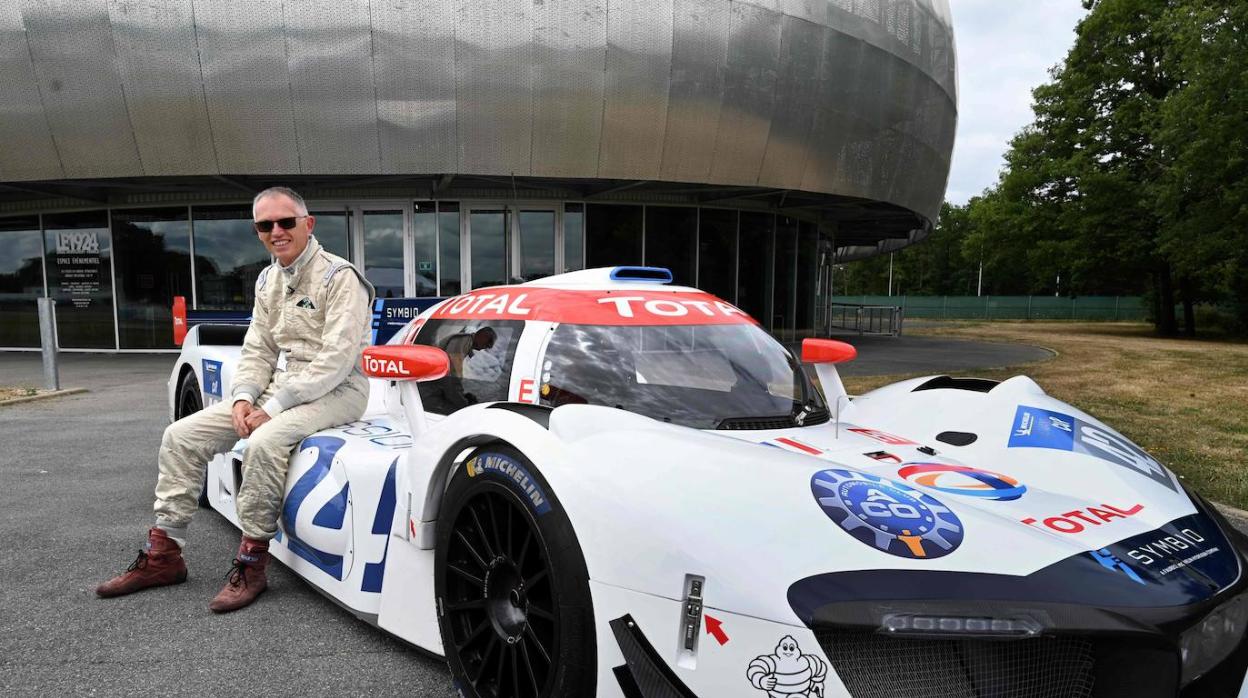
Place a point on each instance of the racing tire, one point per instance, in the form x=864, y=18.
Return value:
x=190, y=401
x=513, y=600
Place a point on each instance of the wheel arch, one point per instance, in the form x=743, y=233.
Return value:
x=524, y=435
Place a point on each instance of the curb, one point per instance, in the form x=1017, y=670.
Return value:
x=42, y=396
x=1231, y=511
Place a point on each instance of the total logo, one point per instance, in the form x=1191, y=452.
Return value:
x=385, y=367
x=961, y=480
x=1074, y=522
x=891, y=517
x=665, y=307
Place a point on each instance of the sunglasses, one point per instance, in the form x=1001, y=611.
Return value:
x=266, y=227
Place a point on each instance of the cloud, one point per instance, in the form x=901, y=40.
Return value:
x=1005, y=50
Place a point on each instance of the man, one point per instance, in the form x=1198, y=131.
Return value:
x=462, y=346
x=312, y=309
x=446, y=395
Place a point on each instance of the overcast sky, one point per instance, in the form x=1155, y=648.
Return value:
x=1004, y=50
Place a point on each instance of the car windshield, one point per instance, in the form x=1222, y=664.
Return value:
x=703, y=376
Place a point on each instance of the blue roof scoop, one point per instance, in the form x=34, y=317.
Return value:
x=656, y=275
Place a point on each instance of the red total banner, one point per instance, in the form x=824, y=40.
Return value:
x=592, y=307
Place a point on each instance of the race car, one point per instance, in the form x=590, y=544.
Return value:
x=602, y=484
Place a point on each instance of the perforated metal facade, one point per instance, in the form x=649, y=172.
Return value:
x=850, y=98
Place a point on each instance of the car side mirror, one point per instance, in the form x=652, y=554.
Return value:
x=409, y=365
x=415, y=362
x=827, y=351
x=825, y=354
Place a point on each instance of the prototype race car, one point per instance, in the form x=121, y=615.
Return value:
x=600, y=484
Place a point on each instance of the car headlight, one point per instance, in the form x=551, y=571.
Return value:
x=1206, y=644
x=915, y=625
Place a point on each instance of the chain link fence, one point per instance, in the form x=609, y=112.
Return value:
x=1101, y=308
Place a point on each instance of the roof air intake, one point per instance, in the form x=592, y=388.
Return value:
x=656, y=275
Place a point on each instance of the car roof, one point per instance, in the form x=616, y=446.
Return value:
x=602, y=296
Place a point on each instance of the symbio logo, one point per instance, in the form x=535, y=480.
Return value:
x=387, y=367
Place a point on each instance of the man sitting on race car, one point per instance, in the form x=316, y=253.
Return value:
x=312, y=308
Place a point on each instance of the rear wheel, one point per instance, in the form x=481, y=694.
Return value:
x=190, y=401
x=513, y=595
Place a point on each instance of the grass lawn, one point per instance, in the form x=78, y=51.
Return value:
x=1183, y=401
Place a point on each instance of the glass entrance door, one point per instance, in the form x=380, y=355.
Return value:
x=382, y=234
x=488, y=237
x=535, y=244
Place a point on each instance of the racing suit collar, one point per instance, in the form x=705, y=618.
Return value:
x=293, y=271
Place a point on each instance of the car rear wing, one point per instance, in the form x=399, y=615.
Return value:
x=228, y=327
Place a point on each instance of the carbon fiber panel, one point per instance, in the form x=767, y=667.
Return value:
x=159, y=68
x=242, y=49
x=749, y=95
x=569, y=54
x=697, y=91
x=329, y=53
x=414, y=69
x=639, y=67
x=81, y=94
x=28, y=151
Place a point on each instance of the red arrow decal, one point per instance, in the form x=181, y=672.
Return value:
x=715, y=629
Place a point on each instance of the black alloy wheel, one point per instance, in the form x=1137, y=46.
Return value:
x=189, y=402
x=513, y=595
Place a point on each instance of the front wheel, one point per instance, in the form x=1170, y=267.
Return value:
x=514, y=607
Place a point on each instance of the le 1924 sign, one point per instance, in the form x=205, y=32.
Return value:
x=78, y=265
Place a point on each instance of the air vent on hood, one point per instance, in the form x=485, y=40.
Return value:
x=957, y=438
x=976, y=385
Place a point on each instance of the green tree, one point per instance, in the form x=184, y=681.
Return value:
x=1202, y=195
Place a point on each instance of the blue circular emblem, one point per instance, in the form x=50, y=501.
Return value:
x=889, y=516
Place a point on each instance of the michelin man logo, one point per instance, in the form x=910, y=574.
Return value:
x=788, y=673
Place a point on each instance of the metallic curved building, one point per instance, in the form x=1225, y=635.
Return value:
x=450, y=143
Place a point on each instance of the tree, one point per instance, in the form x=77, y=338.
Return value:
x=1202, y=196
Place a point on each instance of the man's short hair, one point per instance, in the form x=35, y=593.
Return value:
x=283, y=191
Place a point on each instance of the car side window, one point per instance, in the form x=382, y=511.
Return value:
x=481, y=353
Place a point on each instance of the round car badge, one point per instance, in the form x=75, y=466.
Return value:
x=890, y=516
x=959, y=479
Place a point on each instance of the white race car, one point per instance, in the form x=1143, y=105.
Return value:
x=600, y=484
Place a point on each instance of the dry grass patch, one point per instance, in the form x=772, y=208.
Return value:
x=1184, y=401
x=10, y=393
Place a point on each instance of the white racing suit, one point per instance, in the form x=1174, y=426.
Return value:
x=317, y=312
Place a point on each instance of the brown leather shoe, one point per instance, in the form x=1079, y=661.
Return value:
x=159, y=564
x=246, y=579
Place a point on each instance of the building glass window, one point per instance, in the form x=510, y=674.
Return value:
x=612, y=235
x=754, y=282
x=383, y=252
x=21, y=281
x=153, y=265
x=807, y=263
x=672, y=241
x=332, y=230
x=786, y=278
x=481, y=353
x=425, y=247
x=228, y=257
x=448, y=248
x=80, y=278
x=717, y=253
x=573, y=237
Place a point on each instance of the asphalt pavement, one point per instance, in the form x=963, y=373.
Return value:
x=76, y=479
